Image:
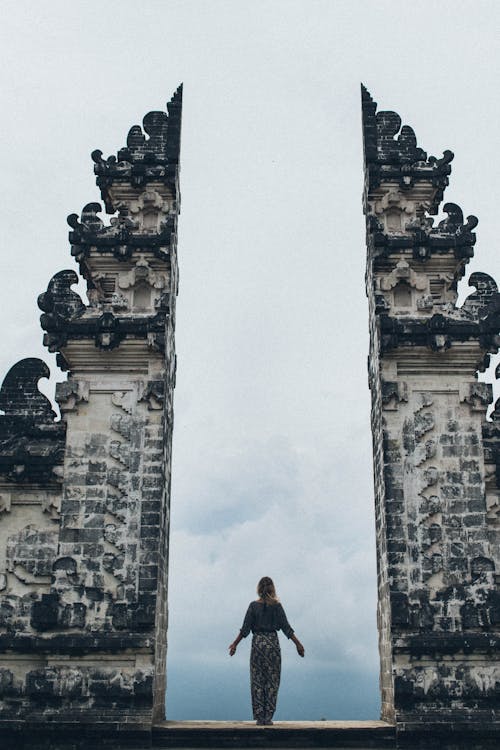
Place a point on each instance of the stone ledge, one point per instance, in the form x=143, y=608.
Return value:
x=284, y=734
x=73, y=736
x=364, y=735
x=171, y=735
x=75, y=644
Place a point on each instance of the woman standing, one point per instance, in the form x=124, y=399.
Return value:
x=264, y=618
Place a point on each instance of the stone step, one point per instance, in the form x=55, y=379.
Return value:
x=364, y=735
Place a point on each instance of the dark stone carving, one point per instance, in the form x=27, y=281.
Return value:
x=32, y=549
x=90, y=223
x=393, y=391
x=495, y=414
x=480, y=393
x=119, y=238
x=450, y=643
x=482, y=303
x=145, y=158
x=424, y=242
x=31, y=443
x=67, y=643
x=49, y=613
x=60, y=301
x=44, y=612
x=162, y=304
x=454, y=224
x=491, y=439
x=108, y=334
x=381, y=304
x=19, y=394
x=390, y=157
x=136, y=617
x=437, y=332
x=389, y=391
x=481, y=565
x=154, y=394
x=69, y=393
x=107, y=330
x=401, y=149
x=438, y=337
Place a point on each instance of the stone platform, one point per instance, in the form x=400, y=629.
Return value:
x=283, y=734
x=174, y=735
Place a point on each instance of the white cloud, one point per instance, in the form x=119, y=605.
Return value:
x=310, y=532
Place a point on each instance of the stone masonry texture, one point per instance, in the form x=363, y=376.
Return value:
x=84, y=500
x=436, y=456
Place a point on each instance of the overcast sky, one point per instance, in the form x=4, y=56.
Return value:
x=272, y=447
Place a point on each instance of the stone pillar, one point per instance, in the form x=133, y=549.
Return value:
x=436, y=458
x=84, y=527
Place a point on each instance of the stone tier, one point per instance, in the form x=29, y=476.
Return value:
x=149, y=156
x=391, y=154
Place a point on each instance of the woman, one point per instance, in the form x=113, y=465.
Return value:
x=264, y=618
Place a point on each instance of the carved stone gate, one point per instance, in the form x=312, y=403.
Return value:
x=436, y=457
x=84, y=501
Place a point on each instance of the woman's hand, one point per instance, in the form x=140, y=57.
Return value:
x=232, y=647
x=298, y=645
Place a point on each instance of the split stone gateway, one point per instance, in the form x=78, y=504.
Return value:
x=84, y=501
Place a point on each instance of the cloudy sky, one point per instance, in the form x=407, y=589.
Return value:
x=272, y=452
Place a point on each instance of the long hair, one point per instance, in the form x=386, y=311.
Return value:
x=266, y=591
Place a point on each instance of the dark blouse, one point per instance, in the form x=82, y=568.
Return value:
x=265, y=618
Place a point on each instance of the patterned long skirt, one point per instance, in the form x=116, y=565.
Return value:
x=265, y=672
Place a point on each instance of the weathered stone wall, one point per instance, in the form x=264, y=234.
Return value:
x=84, y=502
x=383, y=591
x=435, y=455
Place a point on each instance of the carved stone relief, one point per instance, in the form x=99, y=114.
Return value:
x=395, y=211
x=149, y=210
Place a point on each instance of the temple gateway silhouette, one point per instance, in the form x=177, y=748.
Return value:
x=84, y=500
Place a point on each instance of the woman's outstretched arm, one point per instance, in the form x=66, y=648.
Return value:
x=288, y=630
x=244, y=631
x=298, y=644
x=234, y=644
